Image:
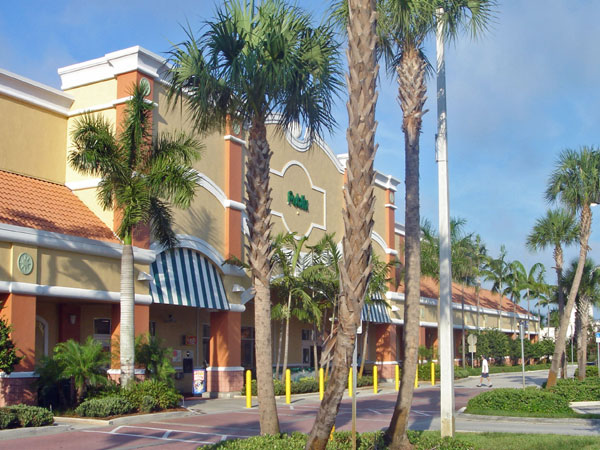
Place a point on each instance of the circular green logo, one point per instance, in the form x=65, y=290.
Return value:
x=25, y=263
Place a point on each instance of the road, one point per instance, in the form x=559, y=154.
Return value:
x=210, y=421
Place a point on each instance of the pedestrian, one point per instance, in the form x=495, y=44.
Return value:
x=485, y=372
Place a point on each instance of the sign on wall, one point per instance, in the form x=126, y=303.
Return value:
x=299, y=201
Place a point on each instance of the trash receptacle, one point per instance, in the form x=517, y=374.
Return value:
x=199, y=381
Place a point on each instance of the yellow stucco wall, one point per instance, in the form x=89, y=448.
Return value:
x=89, y=198
x=5, y=261
x=32, y=140
x=91, y=311
x=93, y=95
x=379, y=214
x=49, y=311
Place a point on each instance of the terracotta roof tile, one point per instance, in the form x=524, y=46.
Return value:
x=487, y=299
x=29, y=202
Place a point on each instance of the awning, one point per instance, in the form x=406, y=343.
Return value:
x=184, y=277
x=375, y=313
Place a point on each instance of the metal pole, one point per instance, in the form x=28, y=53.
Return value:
x=522, y=352
x=446, y=329
x=598, y=358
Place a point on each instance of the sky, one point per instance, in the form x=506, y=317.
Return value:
x=517, y=96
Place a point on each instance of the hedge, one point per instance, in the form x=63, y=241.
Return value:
x=25, y=416
x=573, y=390
x=528, y=400
x=590, y=371
x=104, y=407
x=150, y=395
x=341, y=441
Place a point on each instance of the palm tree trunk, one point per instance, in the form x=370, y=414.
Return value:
x=288, y=313
x=477, y=300
x=559, y=348
x=412, y=95
x=358, y=207
x=365, y=349
x=279, y=347
x=462, y=302
x=259, y=225
x=558, y=259
x=582, y=335
x=127, y=338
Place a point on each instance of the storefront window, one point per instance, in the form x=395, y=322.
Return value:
x=248, y=355
x=206, y=343
x=102, y=332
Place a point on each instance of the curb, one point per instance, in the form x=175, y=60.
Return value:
x=546, y=420
x=19, y=433
x=123, y=420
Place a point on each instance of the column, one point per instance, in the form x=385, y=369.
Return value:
x=390, y=233
x=19, y=311
x=225, y=373
x=386, y=351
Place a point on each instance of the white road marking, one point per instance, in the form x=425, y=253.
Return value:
x=374, y=411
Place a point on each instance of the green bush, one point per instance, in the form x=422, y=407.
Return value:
x=573, y=390
x=104, y=407
x=590, y=371
x=149, y=404
x=31, y=416
x=166, y=397
x=422, y=441
x=528, y=400
x=8, y=419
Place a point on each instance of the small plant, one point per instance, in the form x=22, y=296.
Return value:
x=30, y=416
x=104, y=407
x=8, y=419
x=165, y=396
x=155, y=358
x=8, y=351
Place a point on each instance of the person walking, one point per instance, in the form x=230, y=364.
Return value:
x=485, y=372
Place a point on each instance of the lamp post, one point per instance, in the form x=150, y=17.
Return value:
x=445, y=326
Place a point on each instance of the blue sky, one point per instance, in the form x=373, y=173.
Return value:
x=516, y=97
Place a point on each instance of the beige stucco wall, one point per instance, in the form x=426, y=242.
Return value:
x=91, y=311
x=48, y=310
x=32, y=140
x=5, y=261
x=379, y=216
x=93, y=95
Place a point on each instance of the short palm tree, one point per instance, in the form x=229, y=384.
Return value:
x=587, y=295
x=247, y=67
x=575, y=182
x=140, y=178
x=556, y=229
x=497, y=271
x=84, y=364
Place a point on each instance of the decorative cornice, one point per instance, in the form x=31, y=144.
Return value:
x=66, y=242
x=112, y=64
x=390, y=205
x=237, y=140
x=386, y=181
x=399, y=229
x=35, y=93
x=67, y=292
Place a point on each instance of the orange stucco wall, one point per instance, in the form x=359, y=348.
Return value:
x=19, y=312
x=225, y=329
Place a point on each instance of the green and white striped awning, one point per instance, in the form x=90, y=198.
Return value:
x=376, y=312
x=184, y=277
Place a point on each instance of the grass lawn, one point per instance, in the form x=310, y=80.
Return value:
x=510, y=441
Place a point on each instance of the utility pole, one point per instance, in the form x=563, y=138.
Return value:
x=445, y=326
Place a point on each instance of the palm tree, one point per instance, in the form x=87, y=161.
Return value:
x=253, y=67
x=84, y=364
x=403, y=27
x=575, y=182
x=557, y=228
x=515, y=283
x=533, y=283
x=588, y=295
x=479, y=257
x=289, y=262
x=140, y=178
x=497, y=271
x=358, y=206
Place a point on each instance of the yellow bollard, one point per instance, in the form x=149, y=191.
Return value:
x=321, y=383
x=331, y=434
x=432, y=373
x=288, y=386
x=417, y=377
x=374, y=379
x=397, y=377
x=248, y=389
x=350, y=382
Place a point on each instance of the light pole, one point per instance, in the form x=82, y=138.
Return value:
x=445, y=326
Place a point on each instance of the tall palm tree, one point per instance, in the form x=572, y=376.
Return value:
x=403, y=27
x=358, y=206
x=587, y=295
x=556, y=229
x=252, y=67
x=575, y=182
x=140, y=178
x=479, y=257
x=532, y=281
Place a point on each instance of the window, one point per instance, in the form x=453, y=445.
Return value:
x=152, y=328
x=206, y=343
x=248, y=354
x=307, y=335
x=102, y=328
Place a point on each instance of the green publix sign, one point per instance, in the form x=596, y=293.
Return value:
x=299, y=201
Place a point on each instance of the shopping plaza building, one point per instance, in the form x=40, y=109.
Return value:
x=60, y=257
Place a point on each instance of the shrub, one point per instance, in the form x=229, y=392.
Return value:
x=105, y=407
x=8, y=419
x=573, y=390
x=528, y=400
x=8, y=352
x=31, y=416
x=590, y=371
x=149, y=404
x=164, y=395
x=155, y=358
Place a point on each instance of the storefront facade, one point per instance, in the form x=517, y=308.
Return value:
x=200, y=306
